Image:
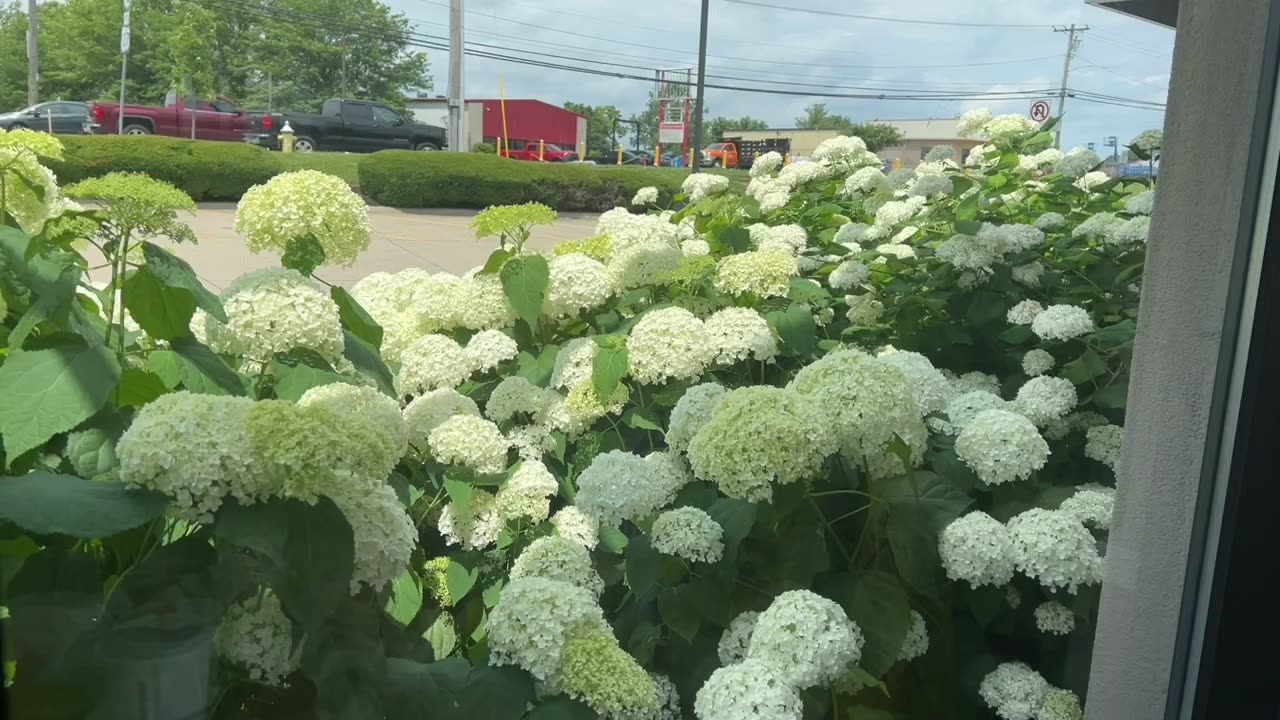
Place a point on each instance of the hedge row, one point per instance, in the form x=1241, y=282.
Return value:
x=406, y=179
x=205, y=170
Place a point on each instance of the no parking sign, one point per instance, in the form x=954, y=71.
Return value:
x=1040, y=110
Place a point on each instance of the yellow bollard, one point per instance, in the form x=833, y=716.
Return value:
x=542, y=150
x=786, y=159
x=619, y=153
x=897, y=163
x=582, y=151
x=657, y=156
x=286, y=137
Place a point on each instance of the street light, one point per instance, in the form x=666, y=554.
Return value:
x=1111, y=142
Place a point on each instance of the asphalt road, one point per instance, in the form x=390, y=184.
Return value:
x=436, y=240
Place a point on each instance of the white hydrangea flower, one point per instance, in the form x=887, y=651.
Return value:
x=972, y=122
x=645, y=196
x=583, y=407
x=773, y=200
x=625, y=229
x=275, y=310
x=965, y=252
x=864, y=180
x=851, y=235
x=1099, y=225
x=668, y=344
x=194, y=448
x=373, y=409
x=766, y=163
x=305, y=204
x=578, y=282
x=488, y=349
x=619, y=485
x=871, y=403
x=1028, y=274
x=1059, y=704
x=897, y=212
x=839, y=148
x=749, y=689
x=515, y=395
x=557, y=558
x=848, y=275
x=703, y=185
x=962, y=409
x=929, y=386
x=1025, y=312
x=1012, y=597
x=792, y=238
x=691, y=412
x=432, y=362
x=256, y=635
x=736, y=639
x=977, y=549
x=428, y=411
x=1091, y=180
x=476, y=527
x=765, y=273
x=532, y=621
x=897, y=249
x=1133, y=231
x=573, y=363
x=688, y=533
x=1014, y=237
x=695, y=247
x=1105, y=443
x=383, y=534
x=527, y=493
x=800, y=173
x=740, y=334
x=971, y=381
x=727, y=450
x=930, y=185
x=470, y=441
x=977, y=156
x=1055, y=548
x=668, y=698
x=1042, y=159
x=479, y=303
x=1054, y=618
x=807, y=638
x=916, y=643
x=863, y=309
x=1037, y=362
x=1051, y=221
x=1062, y=322
x=1077, y=162
x=1092, y=505
x=578, y=526
x=1141, y=204
x=1001, y=447
x=1013, y=690
x=1045, y=399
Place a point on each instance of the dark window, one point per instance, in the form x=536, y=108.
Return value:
x=355, y=113
x=67, y=109
x=515, y=144
x=384, y=117
x=225, y=106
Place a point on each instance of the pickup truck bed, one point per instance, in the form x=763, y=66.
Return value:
x=345, y=126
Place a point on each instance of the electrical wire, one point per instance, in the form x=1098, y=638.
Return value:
x=881, y=18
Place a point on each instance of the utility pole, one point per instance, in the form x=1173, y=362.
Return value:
x=1073, y=44
x=457, y=132
x=695, y=157
x=33, y=53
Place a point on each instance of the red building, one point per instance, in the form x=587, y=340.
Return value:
x=528, y=121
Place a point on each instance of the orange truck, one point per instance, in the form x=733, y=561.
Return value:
x=739, y=153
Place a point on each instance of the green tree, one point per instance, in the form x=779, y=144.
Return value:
x=191, y=49
x=13, y=57
x=877, y=136
x=600, y=119
x=715, y=129
x=816, y=117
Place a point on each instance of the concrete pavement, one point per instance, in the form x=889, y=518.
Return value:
x=435, y=240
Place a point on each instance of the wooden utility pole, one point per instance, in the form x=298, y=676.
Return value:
x=457, y=121
x=33, y=53
x=1073, y=44
x=695, y=157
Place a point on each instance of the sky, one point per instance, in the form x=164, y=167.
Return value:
x=802, y=52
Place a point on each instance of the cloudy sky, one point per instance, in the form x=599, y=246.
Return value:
x=804, y=52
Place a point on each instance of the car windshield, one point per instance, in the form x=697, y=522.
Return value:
x=714, y=146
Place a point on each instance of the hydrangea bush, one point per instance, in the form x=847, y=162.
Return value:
x=842, y=446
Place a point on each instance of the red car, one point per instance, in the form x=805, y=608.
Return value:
x=539, y=152
x=218, y=119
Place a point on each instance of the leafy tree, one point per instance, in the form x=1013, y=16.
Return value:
x=714, y=131
x=191, y=47
x=600, y=119
x=816, y=117
x=13, y=57
x=876, y=135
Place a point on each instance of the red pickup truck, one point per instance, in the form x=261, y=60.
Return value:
x=218, y=119
x=538, y=152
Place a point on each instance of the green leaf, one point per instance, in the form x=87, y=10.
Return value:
x=46, y=392
x=679, y=611
x=367, y=362
x=797, y=329
x=204, y=371
x=496, y=260
x=537, y=370
x=562, y=708
x=613, y=540
x=804, y=558
x=736, y=517
x=354, y=318
x=163, y=312
x=804, y=290
x=642, y=566
x=914, y=548
x=166, y=365
x=713, y=598
x=459, y=493
x=47, y=503
x=607, y=370
x=452, y=689
x=91, y=452
x=442, y=636
x=524, y=279
x=1112, y=397
x=260, y=527
x=460, y=579
x=138, y=387
x=294, y=380
x=303, y=254
x=318, y=556
x=346, y=663
x=735, y=238
x=174, y=272
x=1084, y=368
x=934, y=500
x=997, y=181
x=641, y=419
x=405, y=599
x=881, y=608
x=967, y=209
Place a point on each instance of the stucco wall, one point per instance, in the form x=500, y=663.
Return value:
x=1170, y=437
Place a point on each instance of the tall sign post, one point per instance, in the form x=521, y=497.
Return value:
x=124, y=62
x=457, y=119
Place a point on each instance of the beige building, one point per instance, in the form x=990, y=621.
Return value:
x=919, y=136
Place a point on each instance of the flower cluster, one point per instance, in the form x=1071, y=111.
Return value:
x=557, y=558
x=740, y=334
x=688, y=533
x=977, y=549
x=806, y=638
x=703, y=185
x=305, y=204
x=275, y=310
x=618, y=485
x=256, y=635
x=1054, y=618
x=1055, y=548
x=669, y=344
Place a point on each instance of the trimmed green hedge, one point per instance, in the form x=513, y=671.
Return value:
x=205, y=170
x=406, y=179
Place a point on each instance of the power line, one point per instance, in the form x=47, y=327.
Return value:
x=881, y=18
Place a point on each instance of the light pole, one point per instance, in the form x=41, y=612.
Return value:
x=1111, y=142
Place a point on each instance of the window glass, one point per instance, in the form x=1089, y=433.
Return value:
x=357, y=113
x=383, y=116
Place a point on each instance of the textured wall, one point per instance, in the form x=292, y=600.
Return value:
x=1213, y=106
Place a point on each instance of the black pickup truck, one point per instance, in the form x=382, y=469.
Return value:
x=344, y=126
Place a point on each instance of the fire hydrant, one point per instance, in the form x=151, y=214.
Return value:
x=286, y=137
